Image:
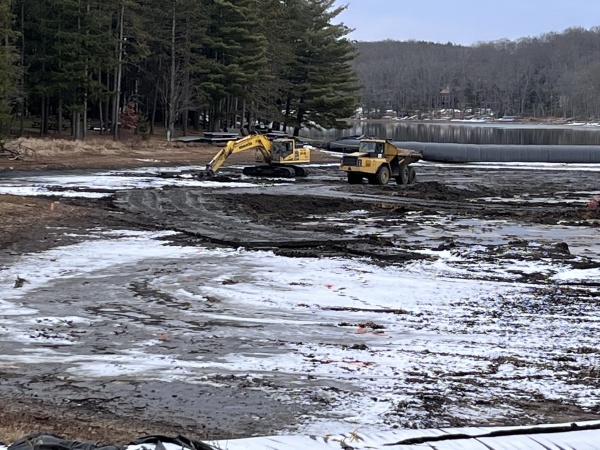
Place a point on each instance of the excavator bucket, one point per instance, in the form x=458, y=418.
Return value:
x=206, y=173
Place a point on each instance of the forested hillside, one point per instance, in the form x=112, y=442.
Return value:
x=76, y=64
x=553, y=75
x=67, y=66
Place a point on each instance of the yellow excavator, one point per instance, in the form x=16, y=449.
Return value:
x=280, y=155
x=378, y=160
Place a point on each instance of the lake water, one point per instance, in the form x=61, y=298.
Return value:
x=467, y=133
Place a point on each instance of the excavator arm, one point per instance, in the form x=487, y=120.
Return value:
x=254, y=141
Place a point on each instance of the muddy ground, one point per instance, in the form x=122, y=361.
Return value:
x=288, y=219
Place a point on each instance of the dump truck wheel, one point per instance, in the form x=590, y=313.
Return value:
x=383, y=176
x=412, y=175
x=354, y=178
x=404, y=176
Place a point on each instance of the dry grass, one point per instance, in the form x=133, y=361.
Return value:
x=103, y=152
x=11, y=433
x=19, y=419
x=97, y=146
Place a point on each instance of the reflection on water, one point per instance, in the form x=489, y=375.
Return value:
x=465, y=133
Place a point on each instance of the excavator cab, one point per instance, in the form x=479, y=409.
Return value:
x=282, y=149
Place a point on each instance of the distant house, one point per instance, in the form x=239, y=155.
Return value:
x=447, y=99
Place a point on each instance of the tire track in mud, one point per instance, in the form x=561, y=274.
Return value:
x=274, y=218
x=202, y=215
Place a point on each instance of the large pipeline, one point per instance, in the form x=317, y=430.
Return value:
x=463, y=153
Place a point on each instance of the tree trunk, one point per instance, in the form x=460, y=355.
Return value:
x=172, y=96
x=59, y=118
x=299, y=119
x=153, y=113
x=85, y=117
x=76, y=124
x=118, y=75
x=100, y=116
x=22, y=94
x=43, y=118
x=108, y=125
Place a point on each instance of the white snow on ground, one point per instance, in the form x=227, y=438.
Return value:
x=88, y=257
x=464, y=329
x=103, y=184
x=418, y=228
x=583, y=196
x=454, y=334
x=579, y=275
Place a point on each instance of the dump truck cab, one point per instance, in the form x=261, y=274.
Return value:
x=378, y=160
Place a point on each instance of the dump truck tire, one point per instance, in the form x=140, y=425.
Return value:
x=354, y=178
x=383, y=176
x=412, y=175
x=404, y=176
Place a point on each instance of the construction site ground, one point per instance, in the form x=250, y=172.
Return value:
x=488, y=224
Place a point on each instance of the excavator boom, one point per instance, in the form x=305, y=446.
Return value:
x=254, y=141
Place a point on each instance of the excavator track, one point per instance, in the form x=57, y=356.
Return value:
x=275, y=171
x=300, y=171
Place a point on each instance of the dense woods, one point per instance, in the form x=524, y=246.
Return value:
x=73, y=65
x=553, y=75
x=68, y=66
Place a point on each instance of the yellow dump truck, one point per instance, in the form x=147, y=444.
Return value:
x=378, y=160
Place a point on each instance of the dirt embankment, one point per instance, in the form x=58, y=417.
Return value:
x=102, y=153
x=105, y=153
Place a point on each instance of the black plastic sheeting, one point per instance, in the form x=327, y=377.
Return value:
x=46, y=441
x=464, y=153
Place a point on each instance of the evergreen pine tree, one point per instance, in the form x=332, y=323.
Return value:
x=237, y=50
x=169, y=45
x=9, y=70
x=324, y=87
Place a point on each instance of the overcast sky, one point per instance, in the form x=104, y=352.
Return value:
x=464, y=22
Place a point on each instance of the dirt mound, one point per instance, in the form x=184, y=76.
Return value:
x=434, y=190
x=428, y=190
x=287, y=207
x=61, y=147
x=103, y=152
